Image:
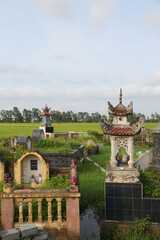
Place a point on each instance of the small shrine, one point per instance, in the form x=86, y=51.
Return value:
x=121, y=135
x=46, y=121
x=46, y=125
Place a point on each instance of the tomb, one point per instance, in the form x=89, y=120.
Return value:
x=46, y=125
x=121, y=136
x=31, y=163
x=37, y=135
x=124, y=200
x=46, y=130
x=25, y=141
x=155, y=162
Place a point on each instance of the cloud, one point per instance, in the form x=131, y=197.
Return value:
x=57, y=8
x=152, y=21
x=5, y=69
x=141, y=90
x=26, y=93
x=100, y=11
x=153, y=81
x=89, y=93
x=64, y=57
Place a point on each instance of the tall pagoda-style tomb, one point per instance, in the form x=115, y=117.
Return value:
x=46, y=125
x=121, y=134
x=124, y=200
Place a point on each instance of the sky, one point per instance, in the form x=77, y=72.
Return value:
x=77, y=54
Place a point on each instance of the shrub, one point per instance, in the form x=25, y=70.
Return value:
x=139, y=231
x=1, y=186
x=56, y=182
x=56, y=145
x=93, y=133
x=151, y=183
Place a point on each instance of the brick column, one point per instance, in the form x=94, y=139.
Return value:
x=7, y=208
x=73, y=217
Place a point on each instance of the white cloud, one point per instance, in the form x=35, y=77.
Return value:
x=152, y=21
x=57, y=8
x=88, y=93
x=141, y=90
x=153, y=81
x=100, y=11
x=26, y=93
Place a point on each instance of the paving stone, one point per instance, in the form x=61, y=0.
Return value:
x=11, y=234
x=41, y=235
x=26, y=238
x=28, y=230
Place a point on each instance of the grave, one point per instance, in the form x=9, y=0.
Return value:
x=46, y=130
x=46, y=125
x=155, y=163
x=123, y=190
x=121, y=169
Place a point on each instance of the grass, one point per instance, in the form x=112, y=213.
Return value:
x=151, y=126
x=103, y=157
x=92, y=178
x=140, y=149
x=9, y=130
x=91, y=185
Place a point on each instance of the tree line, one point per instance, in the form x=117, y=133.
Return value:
x=15, y=115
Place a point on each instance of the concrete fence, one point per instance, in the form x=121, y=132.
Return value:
x=10, y=198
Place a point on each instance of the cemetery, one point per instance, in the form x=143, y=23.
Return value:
x=51, y=178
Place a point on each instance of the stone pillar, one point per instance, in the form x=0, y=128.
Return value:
x=20, y=203
x=49, y=200
x=29, y=210
x=7, y=208
x=39, y=210
x=1, y=171
x=131, y=152
x=113, y=161
x=73, y=217
x=59, y=209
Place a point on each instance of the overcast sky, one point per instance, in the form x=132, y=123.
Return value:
x=76, y=54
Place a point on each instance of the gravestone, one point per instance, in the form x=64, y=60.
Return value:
x=123, y=189
x=156, y=149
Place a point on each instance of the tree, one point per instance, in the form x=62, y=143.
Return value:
x=63, y=117
x=7, y=116
x=36, y=117
x=56, y=116
x=17, y=115
x=135, y=117
x=27, y=115
x=95, y=117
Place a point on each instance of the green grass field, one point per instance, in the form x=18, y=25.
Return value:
x=151, y=126
x=8, y=130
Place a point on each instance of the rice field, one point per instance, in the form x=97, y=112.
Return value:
x=8, y=130
x=151, y=126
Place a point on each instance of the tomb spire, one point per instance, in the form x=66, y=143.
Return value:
x=120, y=96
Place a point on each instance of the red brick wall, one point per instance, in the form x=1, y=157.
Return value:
x=73, y=217
x=7, y=208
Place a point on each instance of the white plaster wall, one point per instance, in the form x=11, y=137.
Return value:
x=27, y=172
x=47, y=135
x=29, y=143
x=123, y=121
x=144, y=160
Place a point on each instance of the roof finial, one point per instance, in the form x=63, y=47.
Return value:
x=120, y=96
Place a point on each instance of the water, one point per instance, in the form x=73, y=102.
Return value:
x=89, y=225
